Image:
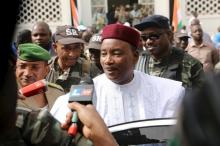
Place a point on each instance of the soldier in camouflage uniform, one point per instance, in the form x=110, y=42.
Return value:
x=161, y=58
x=67, y=68
x=32, y=65
x=39, y=128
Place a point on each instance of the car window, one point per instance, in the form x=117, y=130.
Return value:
x=146, y=132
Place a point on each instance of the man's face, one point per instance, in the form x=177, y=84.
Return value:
x=182, y=42
x=156, y=41
x=94, y=55
x=30, y=72
x=68, y=54
x=118, y=60
x=196, y=32
x=41, y=36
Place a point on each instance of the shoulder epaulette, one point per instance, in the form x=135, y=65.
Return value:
x=53, y=85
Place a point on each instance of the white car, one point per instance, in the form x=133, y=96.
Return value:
x=153, y=132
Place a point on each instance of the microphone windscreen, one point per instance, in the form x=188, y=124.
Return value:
x=34, y=88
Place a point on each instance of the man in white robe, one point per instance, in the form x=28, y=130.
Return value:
x=122, y=94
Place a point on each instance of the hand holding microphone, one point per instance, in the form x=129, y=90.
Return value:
x=81, y=93
x=94, y=127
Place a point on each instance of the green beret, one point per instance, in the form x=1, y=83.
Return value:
x=32, y=52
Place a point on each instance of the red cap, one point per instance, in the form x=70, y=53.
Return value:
x=121, y=32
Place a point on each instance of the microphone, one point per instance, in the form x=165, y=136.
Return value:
x=83, y=92
x=34, y=88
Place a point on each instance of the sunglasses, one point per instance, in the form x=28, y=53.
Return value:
x=152, y=37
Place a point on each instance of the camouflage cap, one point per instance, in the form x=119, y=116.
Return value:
x=32, y=52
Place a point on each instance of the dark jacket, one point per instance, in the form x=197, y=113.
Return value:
x=178, y=66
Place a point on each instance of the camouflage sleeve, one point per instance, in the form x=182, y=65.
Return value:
x=193, y=72
x=197, y=74
x=39, y=128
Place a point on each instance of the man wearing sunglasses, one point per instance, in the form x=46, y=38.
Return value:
x=161, y=58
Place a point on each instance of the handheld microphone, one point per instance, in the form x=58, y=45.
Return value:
x=34, y=88
x=81, y=93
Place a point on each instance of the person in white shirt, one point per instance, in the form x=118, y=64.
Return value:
x=136, y=14
x=121, y=93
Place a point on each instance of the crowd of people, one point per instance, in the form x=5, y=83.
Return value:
x=128, y=14
x=140, y=71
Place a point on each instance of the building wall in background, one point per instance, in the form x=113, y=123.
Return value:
x=57, y=12
x=162, y=7
x=208, y=11
x=54, y=12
